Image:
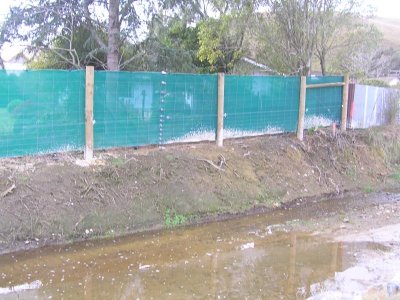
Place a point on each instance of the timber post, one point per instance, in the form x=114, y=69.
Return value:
x=220, y=110
x=89, y=94
x=302, y=107
x=345, y=101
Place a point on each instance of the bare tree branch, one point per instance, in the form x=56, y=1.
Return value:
x=89, y=24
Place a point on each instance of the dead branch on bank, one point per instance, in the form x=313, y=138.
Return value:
x=8, y=191
x=221, y=163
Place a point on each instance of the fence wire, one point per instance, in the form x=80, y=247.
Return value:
x=260, y=104
x=43, y=111
x=323, y=105
x=133, y=109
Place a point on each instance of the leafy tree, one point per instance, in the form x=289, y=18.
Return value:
x=336, y=20
x=220, y=43
x=294, y=32
x=289, y=34
x=47, y=24
x=221, y=40
x=171, y=46
x=67, y=54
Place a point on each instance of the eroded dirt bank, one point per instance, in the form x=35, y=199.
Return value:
x=50, y=199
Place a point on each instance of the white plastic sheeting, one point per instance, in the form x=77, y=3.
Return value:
x=371, y=105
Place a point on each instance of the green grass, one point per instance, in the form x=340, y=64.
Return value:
x=368, y=189
x=172, y=219
x=351, y=172
x=270, y=197
x=396, y=175
x=117, y=162
x=312, y=130
x=24, y=178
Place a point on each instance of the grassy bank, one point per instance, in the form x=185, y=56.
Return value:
x=55, y=200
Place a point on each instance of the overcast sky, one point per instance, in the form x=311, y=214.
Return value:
x=385, y=8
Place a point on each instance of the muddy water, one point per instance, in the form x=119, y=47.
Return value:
x=248, y=258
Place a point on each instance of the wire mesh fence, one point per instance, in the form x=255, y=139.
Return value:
x=133, y=109
x=126, y=109
x=260, y=104
x=323, y=105
x=41, y=111
x=44, y=111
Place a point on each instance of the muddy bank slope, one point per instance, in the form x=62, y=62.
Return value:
x=51, y=199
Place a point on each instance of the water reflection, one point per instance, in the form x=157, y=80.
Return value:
x=255, y=257
x=177, y=265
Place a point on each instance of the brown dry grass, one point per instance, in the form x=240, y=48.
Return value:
x=131, y=190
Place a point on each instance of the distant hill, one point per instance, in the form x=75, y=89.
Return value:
x=390, y=29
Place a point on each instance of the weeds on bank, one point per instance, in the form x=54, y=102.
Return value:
x=312, y=130
x=24, y=179
x=172, y=219
x=386, y=146
x=270, y=197
x=117, y=162
x=396, y=175
x=368, y=189
x=351, y=172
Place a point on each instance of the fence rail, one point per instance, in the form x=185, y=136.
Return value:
x=52, y=111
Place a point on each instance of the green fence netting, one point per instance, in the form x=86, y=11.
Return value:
x=133, y=109
x=126, y=108
x=189, y=107
x=41, y=111
x=261, y=104
x=269, y=104
x=323, y=105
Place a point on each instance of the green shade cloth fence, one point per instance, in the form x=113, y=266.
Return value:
x=323, y=105
x=133, y=109
x=43, y=111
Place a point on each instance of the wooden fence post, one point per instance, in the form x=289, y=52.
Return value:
x=345, y=101
x=302, y=108
x=220, y=112
x=89, y=113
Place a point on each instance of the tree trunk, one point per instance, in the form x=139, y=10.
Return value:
x=323, y=68
x=322, y=63
x=113, y=36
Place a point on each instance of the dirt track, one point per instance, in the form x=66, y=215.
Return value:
x=55, y=200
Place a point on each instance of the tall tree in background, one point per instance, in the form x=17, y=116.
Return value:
x=40, y=23
x=183, y=35
x=294, y=33
x=337, y=20
x=171, y=45
x=221, y=39
x=291, y=33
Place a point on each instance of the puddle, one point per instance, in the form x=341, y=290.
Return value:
x=248, y=258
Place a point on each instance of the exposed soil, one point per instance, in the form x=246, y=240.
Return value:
x=50, y=199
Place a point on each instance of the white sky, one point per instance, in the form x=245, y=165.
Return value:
x=384, y=8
